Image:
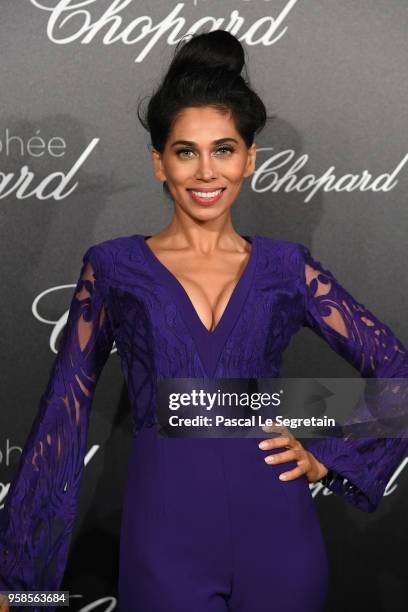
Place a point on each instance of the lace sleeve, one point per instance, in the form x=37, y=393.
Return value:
x=38, y=516
x=359, y=468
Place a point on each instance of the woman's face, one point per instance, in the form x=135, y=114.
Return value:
x=203, y=154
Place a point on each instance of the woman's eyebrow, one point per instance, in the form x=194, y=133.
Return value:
x=192, y=144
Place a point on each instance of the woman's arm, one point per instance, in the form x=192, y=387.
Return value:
x=371, y=347
x=40, y=508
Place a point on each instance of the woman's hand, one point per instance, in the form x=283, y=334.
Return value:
x=4, y=607
x=307, y=463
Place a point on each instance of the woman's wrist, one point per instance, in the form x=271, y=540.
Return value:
x=318, y=470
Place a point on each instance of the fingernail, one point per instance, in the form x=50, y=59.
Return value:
x=282, y=476
x=263, y=445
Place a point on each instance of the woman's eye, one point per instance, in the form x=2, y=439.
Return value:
x=181, y=151
x=185, y=152
x=227, y=149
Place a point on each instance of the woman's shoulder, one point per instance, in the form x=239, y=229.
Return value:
x=115, y=244
x=280, y=245
x=109, y=253
x=118, y=246
x=287, y=257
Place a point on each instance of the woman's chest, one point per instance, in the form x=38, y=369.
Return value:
x=161, y=326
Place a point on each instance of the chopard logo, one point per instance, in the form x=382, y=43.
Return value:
x=392, y=485
x=23, y=182
x=73, y=20
x=58, y=324
x=280, y=172
x=5, y=461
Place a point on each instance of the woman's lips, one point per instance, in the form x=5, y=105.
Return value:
x=205, y=201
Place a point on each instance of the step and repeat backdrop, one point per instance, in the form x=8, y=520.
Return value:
x=75, y=169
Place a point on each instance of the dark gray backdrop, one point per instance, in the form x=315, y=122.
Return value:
x=335, y=75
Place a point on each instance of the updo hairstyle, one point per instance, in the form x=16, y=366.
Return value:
x=205, y=71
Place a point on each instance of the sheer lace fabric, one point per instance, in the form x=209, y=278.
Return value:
x=358, y=467
x=40, y=507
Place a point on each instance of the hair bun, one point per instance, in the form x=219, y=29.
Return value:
x=208, y=51
x=205, y=71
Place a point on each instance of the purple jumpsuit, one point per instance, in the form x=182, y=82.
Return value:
x=207, y=525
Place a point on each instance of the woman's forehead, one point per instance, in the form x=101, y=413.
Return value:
x=204, y=123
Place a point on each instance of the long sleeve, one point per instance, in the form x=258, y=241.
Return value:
x=359, y=467
x=37, y=520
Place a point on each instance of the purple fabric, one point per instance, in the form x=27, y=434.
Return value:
x=136, y=302
x=207, y=526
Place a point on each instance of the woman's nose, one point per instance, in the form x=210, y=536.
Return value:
x=206, y=167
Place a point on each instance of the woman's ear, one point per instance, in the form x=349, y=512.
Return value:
x=250, y=165
x=158, y=165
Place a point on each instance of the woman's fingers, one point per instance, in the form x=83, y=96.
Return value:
x=307, y=464
x=289, y=455
x=277, y=442
x=293, y=454
x=296, y=453
x=292, y=474
x=282, y=429
x=4, y=603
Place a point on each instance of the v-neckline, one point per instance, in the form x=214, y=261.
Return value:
x=209, y=343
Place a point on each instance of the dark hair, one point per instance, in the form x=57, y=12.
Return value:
x=205, y=71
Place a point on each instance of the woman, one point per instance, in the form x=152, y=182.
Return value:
x=208, y=524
